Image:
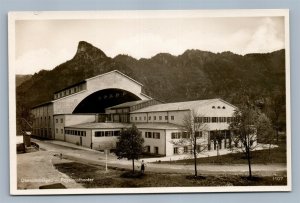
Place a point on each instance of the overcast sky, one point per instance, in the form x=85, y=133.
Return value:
x=44, y=44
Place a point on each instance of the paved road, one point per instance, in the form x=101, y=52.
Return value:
x=88, y=156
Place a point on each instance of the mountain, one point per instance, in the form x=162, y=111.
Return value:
x=22, y=78
x=195, y=74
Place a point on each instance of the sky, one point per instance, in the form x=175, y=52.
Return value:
x=44, y=44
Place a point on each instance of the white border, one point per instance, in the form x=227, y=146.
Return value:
x=75, y=15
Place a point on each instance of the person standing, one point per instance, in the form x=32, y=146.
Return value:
x=143, y=167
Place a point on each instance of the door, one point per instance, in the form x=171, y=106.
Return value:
x=156, y=150
x=80, y=141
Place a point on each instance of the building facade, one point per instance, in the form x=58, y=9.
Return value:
x=94, y=112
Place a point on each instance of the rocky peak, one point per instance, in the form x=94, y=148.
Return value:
x=87, y=50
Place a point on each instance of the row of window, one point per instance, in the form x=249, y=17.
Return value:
x=154, y=135
x=61, y=130
x=107, y=133
x=75, y=132
x=68, y=91
x=214, y=107
x=214, y=119
x=61, y=120
x=184, y=135
x=160, y=118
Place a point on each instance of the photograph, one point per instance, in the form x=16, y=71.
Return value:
x=149, y=101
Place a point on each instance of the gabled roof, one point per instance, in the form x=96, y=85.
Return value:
x=100, y=75
x=179, y=106
x=114, y=71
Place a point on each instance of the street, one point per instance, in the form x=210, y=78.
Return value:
x=39, y=165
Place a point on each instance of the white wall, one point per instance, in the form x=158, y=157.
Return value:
x=43, y=119
x=75, y=139
x=59, y=125
x=116, y=80
x=101, y=143
x=152, y=142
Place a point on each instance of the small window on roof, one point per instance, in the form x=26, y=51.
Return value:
x=219, y=107
x=213, y=107
x=223, y=107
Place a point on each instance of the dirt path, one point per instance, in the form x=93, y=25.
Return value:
x=36, y=169
x=94, y=157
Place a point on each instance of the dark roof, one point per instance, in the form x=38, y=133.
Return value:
x=179, y=106
x=161, y=126
x=42, y=104
x=100, y=125
x=128, y=104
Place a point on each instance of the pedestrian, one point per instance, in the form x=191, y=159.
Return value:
x=143, y=167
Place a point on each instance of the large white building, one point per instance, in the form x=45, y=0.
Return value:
x=93, y=112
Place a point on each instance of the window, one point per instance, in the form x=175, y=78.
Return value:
x=185, y=149
x=206, y=119
x=214, y=119
x=198, y=134
x=56, y=130
x=160, y=118
x=135, y=118
x=219, y=107
x=223, y=107
x=148, y=134
x=145, y=118
x=69, y=91
x=199, y=119
x=140, y=118
x=213, y=107
x=149, y=118
x=176, y=135
x=184, y=135
x=166, y=118
x=175, y=150
x=154, y=117
x=131, y=118
x=61, y=131
x=156, y=135
x=229, y=119
x=99, y=134
x=61, y=120
x=172, y=118
x=222, y=119
x=117, y=133
x=147, y=149
x=198, y=148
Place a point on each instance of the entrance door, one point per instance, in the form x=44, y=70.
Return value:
x=156, y=150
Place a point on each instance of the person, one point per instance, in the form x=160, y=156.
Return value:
x=143, y=167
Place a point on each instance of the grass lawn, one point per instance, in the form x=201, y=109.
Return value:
x=277, y=155
x=115, y=178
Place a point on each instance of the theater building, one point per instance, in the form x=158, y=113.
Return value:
x=92, y=114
